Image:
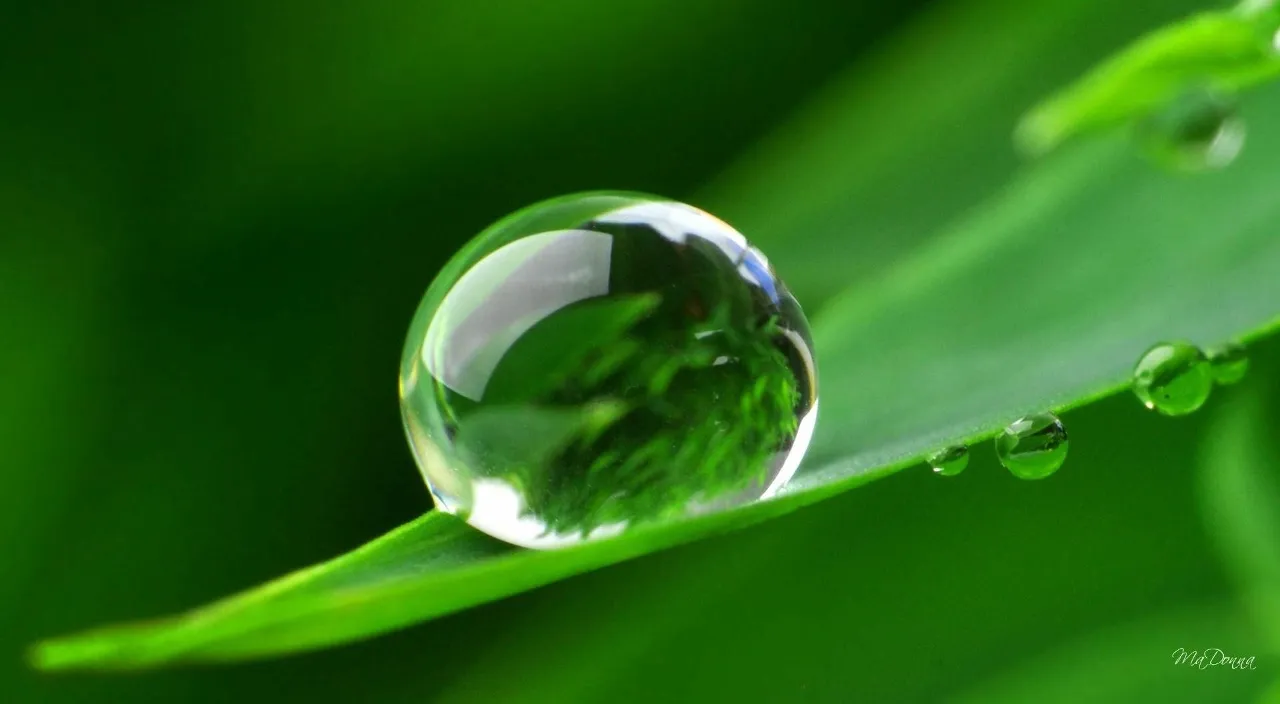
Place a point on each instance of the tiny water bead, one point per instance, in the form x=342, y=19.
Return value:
x=949, y=461
x=1033, y=447
x=1228, y=363
x=598, y=361
x=1198, y=130
x=1173, y=378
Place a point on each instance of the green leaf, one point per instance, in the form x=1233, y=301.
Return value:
x=1240, y=488
x=1227, y=50
x=503, y=436
x=1043, y=332
x=915, y=135
x=283, y=611
x=1137, y=662
x=545, y=356
x=1042, y=298
x=426, y=568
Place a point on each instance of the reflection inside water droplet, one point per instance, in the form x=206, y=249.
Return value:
x=1172, y=378
x=949, y=461
x=1228, y=363
x=600, y=361
x=1033, y=447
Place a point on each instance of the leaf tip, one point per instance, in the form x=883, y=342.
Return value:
x=108, y=649
x=58, y=654
x=1036, y=133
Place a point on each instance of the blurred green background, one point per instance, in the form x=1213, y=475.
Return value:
x=216, y=219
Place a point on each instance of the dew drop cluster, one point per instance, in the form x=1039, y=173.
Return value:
x=1032, y=447
x=1171, y=378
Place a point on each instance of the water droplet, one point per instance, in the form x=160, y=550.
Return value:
x=1253, y=8
x=949, y=461
x=1173, y=378
x=1198, y=130
x=1033, y=447
x=1227, y=362
x=601, y=360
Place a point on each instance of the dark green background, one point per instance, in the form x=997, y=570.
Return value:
x=216, y=219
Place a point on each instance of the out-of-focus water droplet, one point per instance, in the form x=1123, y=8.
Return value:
x=1250, y=8
x=949, y=461
x=1033, y=447
x=1228, y=362
x=602, y=360
x=1199, y=130
x=1172, y=378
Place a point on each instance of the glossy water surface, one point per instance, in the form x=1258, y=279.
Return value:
x=602, y=360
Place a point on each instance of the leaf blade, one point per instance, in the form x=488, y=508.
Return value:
x=1229, y=50
x=839, y=462
x=1080, y=198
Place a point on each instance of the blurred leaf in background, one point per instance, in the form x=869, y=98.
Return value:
x=1240, y=491
x=219, y=217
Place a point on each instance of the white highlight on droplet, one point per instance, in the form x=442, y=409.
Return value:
x=515, y=287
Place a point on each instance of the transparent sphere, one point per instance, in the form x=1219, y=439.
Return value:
x=598, y=361
x=1173, y=378
x=1033, y=447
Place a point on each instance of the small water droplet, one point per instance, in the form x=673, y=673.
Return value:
x=1033, y=447
x=1199, y=130
x=1253, y=8
x=1227, y=362
x=1172, y=378
x=949, y=461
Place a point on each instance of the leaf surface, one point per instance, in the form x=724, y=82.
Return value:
x=1042, y=298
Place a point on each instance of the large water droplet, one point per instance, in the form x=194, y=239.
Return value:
x=949, y=461
x=1198, y=130
x=1228, y=363
x=1033, y=447
x=602, y=360
x=1172, y=378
